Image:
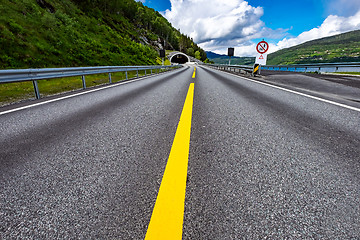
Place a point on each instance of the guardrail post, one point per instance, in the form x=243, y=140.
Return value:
x=137, y=73
x=126, y=75
x=151, y=72
x=36, y=89
x=83, y=81
x=110, y=78
x=145, y=72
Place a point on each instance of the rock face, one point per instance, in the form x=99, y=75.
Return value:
x=45, y=5
x=144, y=40
x=157, y=44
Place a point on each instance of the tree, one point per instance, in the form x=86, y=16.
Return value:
x=190, y=52
x=197, y=55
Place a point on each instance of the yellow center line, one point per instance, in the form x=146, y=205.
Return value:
x=193, y=76
x=167, y=218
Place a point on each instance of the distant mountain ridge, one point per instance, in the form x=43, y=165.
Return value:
x=224, y=59
x=343, y=47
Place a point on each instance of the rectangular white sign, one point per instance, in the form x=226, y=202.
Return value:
x=261, y=59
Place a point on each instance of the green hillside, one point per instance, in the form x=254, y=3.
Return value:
x=70, y=33
x=340, y=48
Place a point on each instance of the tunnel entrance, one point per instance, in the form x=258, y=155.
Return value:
x=179, y=58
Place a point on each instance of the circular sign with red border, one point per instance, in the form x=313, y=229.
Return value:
x=262, y=47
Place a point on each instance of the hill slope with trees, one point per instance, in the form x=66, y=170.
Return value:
x=339, y=48
x=70, y=33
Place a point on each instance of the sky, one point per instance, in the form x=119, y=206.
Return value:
x=216, y=25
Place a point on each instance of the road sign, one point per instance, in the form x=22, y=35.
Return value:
x=256, y=69
x=230, y=52
x=262, y=47
x=261, y=59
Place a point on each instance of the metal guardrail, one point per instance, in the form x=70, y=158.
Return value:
x=232, y=68
x=22, y=75
x=318, y=67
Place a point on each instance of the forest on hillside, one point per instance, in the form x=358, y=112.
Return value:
x=147, y=19
x=343, y=47
x=64, y=33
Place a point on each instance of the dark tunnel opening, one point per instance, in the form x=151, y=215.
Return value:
x=179, y=58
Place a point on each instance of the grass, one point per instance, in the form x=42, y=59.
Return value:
x=351, y=73
x=20, y=91
x=13, y=92
x=166, y=62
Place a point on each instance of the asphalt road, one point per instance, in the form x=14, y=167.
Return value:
x=264, y=163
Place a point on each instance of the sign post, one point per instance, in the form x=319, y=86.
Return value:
x=261, y=57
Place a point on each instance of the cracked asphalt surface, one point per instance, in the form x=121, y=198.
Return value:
x=263, y=163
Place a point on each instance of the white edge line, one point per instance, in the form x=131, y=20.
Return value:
x=76, y=94
x=298, y=93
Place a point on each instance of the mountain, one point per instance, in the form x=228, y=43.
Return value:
x=224, y=59
x=70, y=33
x=339, y=48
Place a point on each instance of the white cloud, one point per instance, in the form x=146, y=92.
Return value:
x=217, y=24
x=331, y=26
x=215, y=20
x=241, y=49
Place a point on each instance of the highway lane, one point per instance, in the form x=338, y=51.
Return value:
x=341, y=89
x=263, y=162
x=269, y=164
x=89, y=167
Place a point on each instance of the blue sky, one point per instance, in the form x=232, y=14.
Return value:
x=218, y=24
x=159, y=5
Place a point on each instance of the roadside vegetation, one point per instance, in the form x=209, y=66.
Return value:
x=70, y=33
x=348, y=73
x=75, y=33
x=15, y=92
